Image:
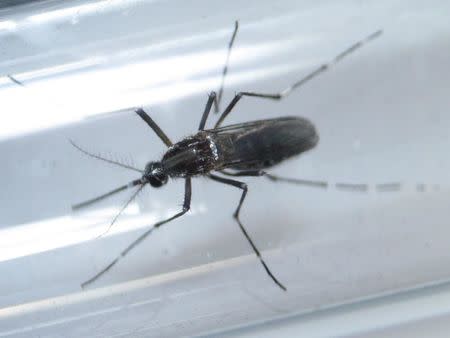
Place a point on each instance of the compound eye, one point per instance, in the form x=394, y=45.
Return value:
x=157, y=181
x=154, y=182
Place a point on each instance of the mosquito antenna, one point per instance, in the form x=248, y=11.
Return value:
x=104, y=159
x=106, y=195
x=326, y=66
x=225, y=68
x=123, y=209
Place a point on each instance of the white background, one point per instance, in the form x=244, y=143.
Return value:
x=382, y=115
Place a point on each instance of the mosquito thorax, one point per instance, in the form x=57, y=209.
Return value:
x=154, y=174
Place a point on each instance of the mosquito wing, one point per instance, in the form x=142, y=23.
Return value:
x=263, y=143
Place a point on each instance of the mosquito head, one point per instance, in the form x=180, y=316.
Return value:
x=154, y=174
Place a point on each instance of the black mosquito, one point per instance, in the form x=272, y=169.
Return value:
x=244, y=149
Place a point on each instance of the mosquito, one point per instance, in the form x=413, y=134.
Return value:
x=226, y=152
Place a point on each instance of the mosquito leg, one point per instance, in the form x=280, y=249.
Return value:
x=391, y=186
x=225, y=68
x=243, y=173
x=278, y=96
x=354, y=187
x=311, y=183
x=244, y=189
x=357, y=187
x=13, y=79
x=211, y=99
x=152, y=124
x=186, y=207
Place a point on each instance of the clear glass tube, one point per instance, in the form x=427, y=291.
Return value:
x=74, y=70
